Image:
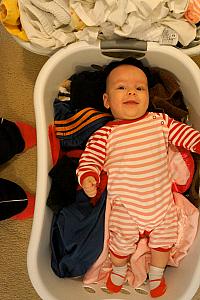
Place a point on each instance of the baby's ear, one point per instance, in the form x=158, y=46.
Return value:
x=105, y=100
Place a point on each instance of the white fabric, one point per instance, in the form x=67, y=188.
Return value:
x=107, y=31
x=168, y=37
x=41, y=26
x=48, y=23
x=178, y=7
x=185, y=30
x=57, y=8
x=88, y=34
x=118, y=13
x=141, y=19
x=148, y=9
x=91, y=16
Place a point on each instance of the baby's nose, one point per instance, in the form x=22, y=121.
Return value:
x=131, y=92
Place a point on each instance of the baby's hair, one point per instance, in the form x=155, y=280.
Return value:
x=128, y=61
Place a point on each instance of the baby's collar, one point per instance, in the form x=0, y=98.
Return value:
x=119, y=122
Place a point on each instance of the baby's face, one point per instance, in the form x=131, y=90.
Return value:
x=127, y=93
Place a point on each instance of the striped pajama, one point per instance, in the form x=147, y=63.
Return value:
x=134, y=155
x=125, y=232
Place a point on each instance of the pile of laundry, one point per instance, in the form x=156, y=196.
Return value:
x=52, y=24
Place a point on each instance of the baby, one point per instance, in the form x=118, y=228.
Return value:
x=133, y=150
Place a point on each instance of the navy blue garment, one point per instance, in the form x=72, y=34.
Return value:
x=79, y=139
x=78, y=124
x=63, y=109
x=63, y=184
x=77, y=236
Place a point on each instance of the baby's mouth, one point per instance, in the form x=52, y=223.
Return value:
x=131, y=101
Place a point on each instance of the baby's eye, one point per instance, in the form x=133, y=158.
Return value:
x=140, y=88
x=121, y=87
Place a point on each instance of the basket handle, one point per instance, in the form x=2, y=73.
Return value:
x=123, y=48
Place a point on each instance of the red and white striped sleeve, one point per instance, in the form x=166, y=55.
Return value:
x=93, y=158
x=192, y=13
x=183, y=135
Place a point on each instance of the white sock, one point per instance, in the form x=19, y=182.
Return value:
x=155, y=273
x=118, y=280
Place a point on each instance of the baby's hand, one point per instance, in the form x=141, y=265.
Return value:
x=89, y=186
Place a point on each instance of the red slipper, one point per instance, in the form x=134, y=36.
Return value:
x=159, y=290
x=28, y=133
x=111, y=286
x=28, y=211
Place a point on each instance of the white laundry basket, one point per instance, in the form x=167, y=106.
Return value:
x=191, y=51
x=182, y=281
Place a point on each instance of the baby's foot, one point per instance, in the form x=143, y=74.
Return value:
x=160, y=289
x=116, y=279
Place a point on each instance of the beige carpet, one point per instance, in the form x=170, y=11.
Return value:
x=19, y=69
